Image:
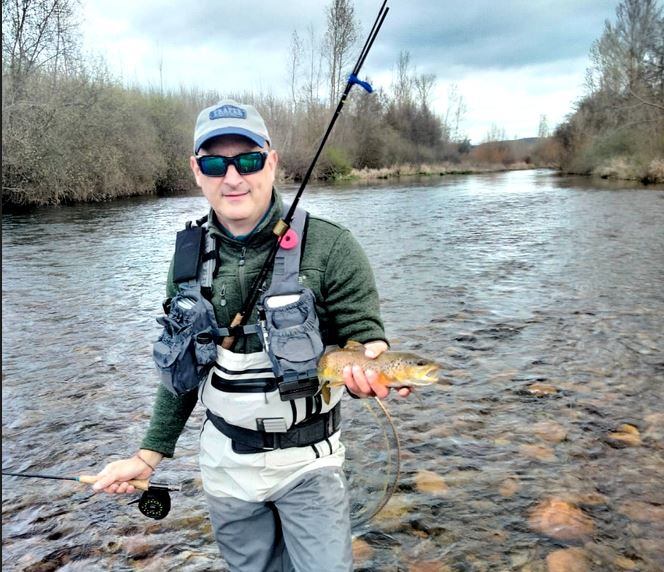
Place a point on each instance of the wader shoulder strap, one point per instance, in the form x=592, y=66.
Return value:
x=287, y=261
x=195, y=258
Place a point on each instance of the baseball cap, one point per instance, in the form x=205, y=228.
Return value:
x=228, y=117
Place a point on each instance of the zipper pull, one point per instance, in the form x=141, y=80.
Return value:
x=242, y=256
x=222, y=295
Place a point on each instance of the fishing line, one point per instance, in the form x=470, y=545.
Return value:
x=392, y=465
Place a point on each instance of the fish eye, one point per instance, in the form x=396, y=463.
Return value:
x=422, y=362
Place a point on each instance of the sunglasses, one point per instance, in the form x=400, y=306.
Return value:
x=245, y=163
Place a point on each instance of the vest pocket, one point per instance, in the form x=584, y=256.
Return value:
x=185, y=349
x=205, y=347
x=175, y=361
x=293, y=334
x=297, y=349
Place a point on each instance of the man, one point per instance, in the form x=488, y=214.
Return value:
x=282, y=507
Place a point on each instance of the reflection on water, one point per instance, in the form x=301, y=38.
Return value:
x=543, y=298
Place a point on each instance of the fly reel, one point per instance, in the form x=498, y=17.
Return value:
x=154, y=503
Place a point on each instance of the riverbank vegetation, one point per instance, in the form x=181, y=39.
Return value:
x=617, y=129
x=72, y=132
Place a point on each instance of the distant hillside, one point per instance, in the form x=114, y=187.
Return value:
x=527, y=150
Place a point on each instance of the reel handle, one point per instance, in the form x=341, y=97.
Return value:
x=140, y=484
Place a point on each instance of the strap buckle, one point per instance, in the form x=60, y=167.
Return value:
x=295, y=385
x=272, y=424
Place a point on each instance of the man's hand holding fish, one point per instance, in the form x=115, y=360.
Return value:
x=366, y=383
x=371, y=370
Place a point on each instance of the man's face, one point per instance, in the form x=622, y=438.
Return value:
x=239, y=201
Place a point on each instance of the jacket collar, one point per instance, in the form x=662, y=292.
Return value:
x=260, y=234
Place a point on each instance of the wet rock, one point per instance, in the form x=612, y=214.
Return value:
x=589, y=499
x=461, y=477
x=519, y=559
x=499, y=537
x=362, y=552
x=137, y=547
x=192, y=521
x=476, y=564
x=396, y=508
x=429, y=566
x=538, y=452
x=625, y=563
x=655, y=419
x=568, y=560
x=541, y=389
x=654, y=430
x=625, y=436
x=642, y=511
x=550, y=431
x=112, y=546
x=509, y=487
x=465, y=337
x=651, y=550
x=379, y=539
x=561, y=520
x=430, y=483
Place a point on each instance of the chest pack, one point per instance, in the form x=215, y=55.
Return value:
x=288, y=326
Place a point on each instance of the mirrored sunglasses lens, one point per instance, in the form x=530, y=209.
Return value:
x=250, y=162
x=213, y=166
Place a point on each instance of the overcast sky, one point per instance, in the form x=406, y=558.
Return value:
x=512, y=60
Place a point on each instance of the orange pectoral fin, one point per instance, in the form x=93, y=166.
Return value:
x=384, y=379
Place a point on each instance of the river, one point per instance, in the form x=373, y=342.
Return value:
x=542, y=296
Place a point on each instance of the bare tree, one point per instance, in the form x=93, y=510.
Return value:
x=39, y=35
x=294, y=63
x=340, y=39
x=455, y=112
x=543, y=127
x=424, y=84
x=629, y=56
x=403, y=81
x=314, y=65
x=495, y=134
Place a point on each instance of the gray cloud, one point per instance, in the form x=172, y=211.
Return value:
x=488, y=34
x=473, y=34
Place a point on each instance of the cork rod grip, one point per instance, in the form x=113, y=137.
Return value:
x=227, y=342
x=141, y=484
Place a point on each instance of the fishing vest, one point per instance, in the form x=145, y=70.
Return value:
x=262, y=400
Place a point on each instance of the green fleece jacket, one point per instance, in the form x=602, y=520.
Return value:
x=333, y=266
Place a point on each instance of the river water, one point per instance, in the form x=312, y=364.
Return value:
x=542, y=296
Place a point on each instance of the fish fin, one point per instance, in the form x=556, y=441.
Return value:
x=325, y=392
x=382, y=378
x=353, y=344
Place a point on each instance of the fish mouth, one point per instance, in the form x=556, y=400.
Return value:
x=429, y=374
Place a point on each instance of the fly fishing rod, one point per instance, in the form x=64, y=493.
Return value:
x=283, y=225
x=155, y=502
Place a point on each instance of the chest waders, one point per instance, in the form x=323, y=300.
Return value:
x=288, y=329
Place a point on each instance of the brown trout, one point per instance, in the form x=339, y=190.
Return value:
x=394, y=369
